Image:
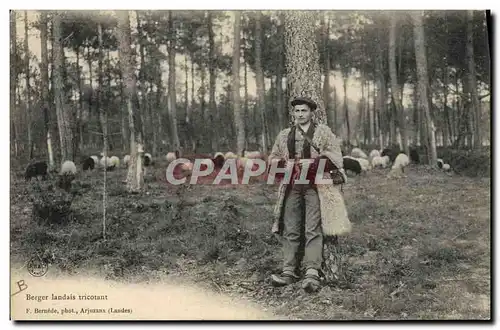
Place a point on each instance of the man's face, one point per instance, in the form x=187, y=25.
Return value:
x=302, y=113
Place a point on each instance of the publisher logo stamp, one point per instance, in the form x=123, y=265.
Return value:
x=37, y=267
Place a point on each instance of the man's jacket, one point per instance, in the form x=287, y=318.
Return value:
x=334, y=218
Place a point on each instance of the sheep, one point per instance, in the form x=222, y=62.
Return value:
x=386, y=160
x=379, y=161
x=148, y=160
x=68, y=167
x=446, y=167
x=36, y=169
x=115, y=161
x=365, y=164
x=358, y=153
x=252, y=154
x=398, y=166
x=218, y=160
x=230, y=155
x=96, y=160
x=170, y=157
x=88, y=164
x=414, y=156
x=374, y=153
x=351, y=164
x=392, y=153
x=440, y=163
x=105, y=162
x=126, y=160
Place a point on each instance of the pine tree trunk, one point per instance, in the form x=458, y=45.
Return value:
x=279, y=74
x=302, y=63
x=63, y=114
x=259, y=81
x=475, y=107
x=171, y=83
x=421, y=59
x=159, y=106
x=80, y=101
x=395, y=87
x=13, y=81
x=212, y=107
x=135, y=178
x=326, y=83
x=142, y=82
x=44, y=74
x=28, y=87
x=346, y=111
x=247, y=115
x=235, y=79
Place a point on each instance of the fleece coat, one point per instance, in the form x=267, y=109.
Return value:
x=334, y=217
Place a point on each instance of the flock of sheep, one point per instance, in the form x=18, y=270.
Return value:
x=359, y=162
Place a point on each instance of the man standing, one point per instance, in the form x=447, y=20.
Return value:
x=321, y=204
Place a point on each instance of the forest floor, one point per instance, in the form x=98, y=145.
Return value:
x=419, y=248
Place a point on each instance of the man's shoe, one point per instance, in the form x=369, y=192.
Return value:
x=285, y=278
x=311, y=282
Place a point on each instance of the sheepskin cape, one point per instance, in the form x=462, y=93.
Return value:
x=334, y=217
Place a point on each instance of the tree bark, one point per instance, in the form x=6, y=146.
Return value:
x=13, y=80
x=326, y=83
x=302, y=62
x=346, y=110
x=475, y=107
x=135, y=178
x=421, y=60
x=63, y=114
x=142, y=82
x=212, y=107
x=235, y=77
x=395, y=87
x=171, y=82
x=279, y=73
x=44, y=74
x=259, y=81
x=28, y=87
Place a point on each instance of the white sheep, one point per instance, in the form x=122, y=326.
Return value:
x=115, y=161
x=374, y=153
x=378, y=161
x=401, y=162
x=68, y=167
x=230, y=155
x=96, y=160
x=105, y=162
x=126, y=160
x=365, y=164
x=446, y=167
x=171, y=157
x=358, y=153
x=252, y=154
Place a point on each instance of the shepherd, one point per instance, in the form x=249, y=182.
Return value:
x=318, y=208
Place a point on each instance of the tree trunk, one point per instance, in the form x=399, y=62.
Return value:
x=326, y=84
x=247, y=115
x=13, y=80
x=302, y=63
x=63, y=113
x=259, y=81
x=142, y=82
x=212, y=107
x=206, y=136
x=475, y=107
x=159, y=106
x=279, y=74
x=171, y=82
x=421, y=60
x=135, y=178
x=28, y=96
x=235, y=79
x=44, y=74
x=346, y=111
x=395, y=88
x=80, y=101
